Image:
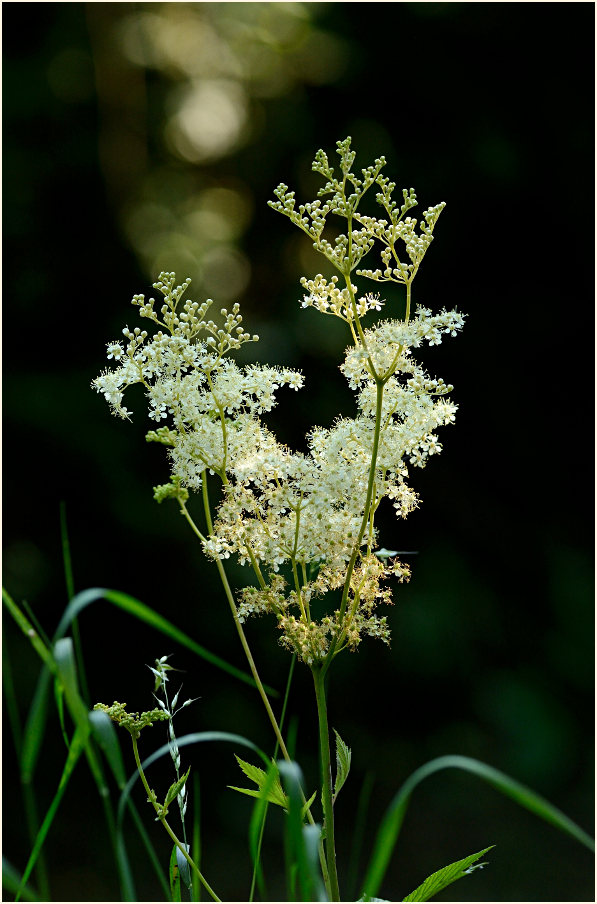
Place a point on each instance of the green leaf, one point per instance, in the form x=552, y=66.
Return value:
x=60, y=663
x=256, y=828
x=104, y=733
x=446, y=876
x=392, y=822
x=64, y=656
x=28, y=630
x=11, y=879
x=184, y=870
x=66, y=556
x=302, y=842
x=273, y=791
x=307, y=805
x=343, y=757
x=359, y=834
x=59, y=699
x=175, y=787
x=144, y=613
x=174, y=875
x=75, y=750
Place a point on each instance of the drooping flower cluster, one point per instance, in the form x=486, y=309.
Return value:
x=310, y=512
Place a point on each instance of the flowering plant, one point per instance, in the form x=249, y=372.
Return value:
x=313, y=513
x=305, y=522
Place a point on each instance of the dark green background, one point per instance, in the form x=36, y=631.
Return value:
x=488, y=107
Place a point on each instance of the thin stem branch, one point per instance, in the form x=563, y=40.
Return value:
x=240, y=630
x=162, y=819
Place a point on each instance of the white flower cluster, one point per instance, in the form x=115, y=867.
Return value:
x=387, y=345
x=280, y=508
x=214, y=404
x=307, y=508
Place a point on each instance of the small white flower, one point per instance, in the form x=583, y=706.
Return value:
x=115, y=351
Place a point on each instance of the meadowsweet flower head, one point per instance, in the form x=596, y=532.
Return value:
x=286, y=513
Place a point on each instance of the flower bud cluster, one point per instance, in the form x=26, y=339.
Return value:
x=346, y=194
x=327, y=298
x=133, y=722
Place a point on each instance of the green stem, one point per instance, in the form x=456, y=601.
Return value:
x=240, y=630
x=249, y=656
x=326, y=782
x=408, y=289
x=190, y=521
x=162, y=819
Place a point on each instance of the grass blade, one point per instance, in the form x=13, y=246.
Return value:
x=392, y=822
x=70, y=590
x=302, y=842
x=35, y=728
x=359, y=833
x=145, y=614
x=36, y=720
x=28, y=630
x=257, y=829
x=75, y=751
x=10, y=698
x=64, y=671
x=29, y=802
x=105, y=735
x=11, y=880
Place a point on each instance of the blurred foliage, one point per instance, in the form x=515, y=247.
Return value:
x=142, y=136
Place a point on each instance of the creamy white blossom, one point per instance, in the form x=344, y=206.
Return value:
x=293, y=514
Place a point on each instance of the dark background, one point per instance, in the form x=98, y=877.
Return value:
x=122, y=125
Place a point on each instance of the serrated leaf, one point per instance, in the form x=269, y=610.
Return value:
x=253, y=772
x=251, y=792
x=275, y=794
x=175, y=788
x=446, y=876
x=343, y=758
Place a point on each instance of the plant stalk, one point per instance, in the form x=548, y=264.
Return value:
x=326, y=782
